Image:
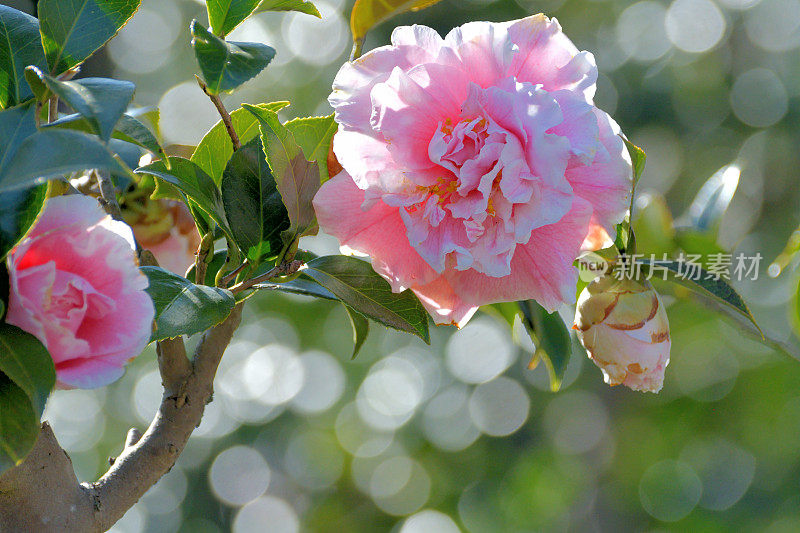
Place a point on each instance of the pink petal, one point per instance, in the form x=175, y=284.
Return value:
x=443, y=304
x=546, y=56
x=606, y=183
x=541, y=269
x=378, y=232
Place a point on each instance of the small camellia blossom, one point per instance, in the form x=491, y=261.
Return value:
x=76, y=286
x=475, y=165
x=167, y=229
x=623, y=326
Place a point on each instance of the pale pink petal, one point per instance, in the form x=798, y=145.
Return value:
x=378, y=232
x=606, y=183
x=443, y=304
x=546, y=56
x=541, y=270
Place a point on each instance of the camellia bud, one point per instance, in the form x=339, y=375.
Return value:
x=623, y=326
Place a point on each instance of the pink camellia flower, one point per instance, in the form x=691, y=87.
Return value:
x=623, y=326
x=76, y=286
x=167, y=229
x=475, y=166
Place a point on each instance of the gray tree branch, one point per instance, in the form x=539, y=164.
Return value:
x=43, y=494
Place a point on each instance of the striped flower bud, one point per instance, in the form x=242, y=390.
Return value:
x=623, y=326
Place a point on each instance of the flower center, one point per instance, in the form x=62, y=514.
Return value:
x=486, y=192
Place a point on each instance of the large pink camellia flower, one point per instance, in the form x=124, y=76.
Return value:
x=475, y=166
x=76, y=286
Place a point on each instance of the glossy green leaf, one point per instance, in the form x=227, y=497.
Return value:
x=101, y=101
x=719, y=289
x=194, y=183
x=638, y=158
x=297, y=179
x=302, y=6
x=26, y=361
x=72, y=30
x=551, y=337
x=355, y=283
x=183, y=308
x=19, y=425
x=128, y=129
x=708, y=207
x=255, y=210
x=51, y=153
x=20, y=46
x=16, y=125
x=215, y=149
x=302, y=285
x=360, y=329
x=314, y=135
x=226, y=65
x=34, y=79
x=19, y=210
x=369, y=13
x=225, y=15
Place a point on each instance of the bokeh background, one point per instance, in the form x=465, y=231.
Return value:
x=459, y=435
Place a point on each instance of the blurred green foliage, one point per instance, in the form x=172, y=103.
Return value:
x=301, y=438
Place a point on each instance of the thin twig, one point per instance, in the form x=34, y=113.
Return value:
x=200, y=265
x=232, y=274
x=108, y=196
x=223, y=113
x=52, y=110
x=283, y=269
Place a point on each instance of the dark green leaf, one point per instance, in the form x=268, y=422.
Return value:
x=72, y=30
x=19, y=425
x=101, y=101
x=314, y=135
x=194, y=183
x=297, y=179
x=638, y=159
x=127, y=129
x=225, y=15
x=708, y=207
x=705, y=284
x=16, y=125
x=303, y=6
x=216, y=149
x=33, y=76
x=20, y=46
x=183, y=308
x=255, y=211
x=19, y=210
x=355, y=283
x=46, y=154
x=301, y=285
x=551, y=337
x=226, y=65
x=360, y=328
x=27, y=363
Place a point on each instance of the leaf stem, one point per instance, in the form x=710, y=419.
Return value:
x=232, y=275
x=223, y=113
x=200, y=265
x=358, y=46
x=283, y=269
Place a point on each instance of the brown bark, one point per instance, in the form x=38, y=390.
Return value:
x=43, y=494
